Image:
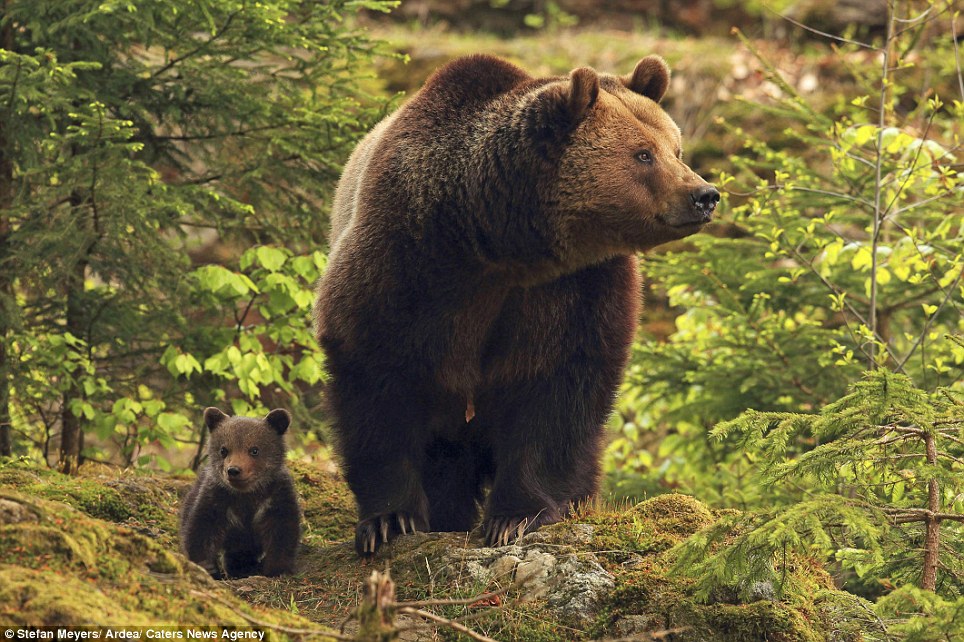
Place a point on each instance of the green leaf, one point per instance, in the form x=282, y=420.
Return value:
x=271, y=258
x=172, y=422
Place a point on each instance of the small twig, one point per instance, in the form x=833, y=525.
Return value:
x=421, y=626
x=844, y=197
x=930, y=319
x=944, y=435
x=650, y=635
x=822, y=33
x=468, y=600
x=861, y=604
x=244, y=315
x=464, y=630
x=201, y=47
x=884, y=441
x=957, y=57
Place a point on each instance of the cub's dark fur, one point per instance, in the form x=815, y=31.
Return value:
x=482, y=290
x=241, y=516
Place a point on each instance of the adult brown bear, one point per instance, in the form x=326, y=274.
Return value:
x=482, y=290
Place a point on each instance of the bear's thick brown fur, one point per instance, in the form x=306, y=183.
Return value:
x=241, y=516
x=482, y=291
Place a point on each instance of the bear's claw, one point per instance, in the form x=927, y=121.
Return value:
x=502, y=531
x=371, y=533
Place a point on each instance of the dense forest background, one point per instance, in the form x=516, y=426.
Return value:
x=166, y=168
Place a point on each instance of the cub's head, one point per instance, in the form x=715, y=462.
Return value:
x=246, y=452
x=622, y=184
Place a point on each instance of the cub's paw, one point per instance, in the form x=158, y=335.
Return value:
x=371, y=533
x=504, y=530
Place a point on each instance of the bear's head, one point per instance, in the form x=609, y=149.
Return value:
x=622, y=184
x=246, y=452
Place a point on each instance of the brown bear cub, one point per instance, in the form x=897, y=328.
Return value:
x=241, y=516
x=482, y=290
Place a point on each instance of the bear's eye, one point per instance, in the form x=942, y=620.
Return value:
x=644, y=157
x=253, y=452
x=223, y=451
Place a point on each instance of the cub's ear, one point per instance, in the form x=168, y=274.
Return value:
x=650, y=78
x=213, y=418
x=583, y=92
x=279, y=419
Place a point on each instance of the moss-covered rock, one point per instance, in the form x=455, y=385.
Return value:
x=147, y=503
x=59, y=566
x=329, y=507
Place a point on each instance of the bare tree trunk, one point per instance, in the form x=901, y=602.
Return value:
x=932, y=540
x=6, y=439
x=6, y=283
x=71, y=432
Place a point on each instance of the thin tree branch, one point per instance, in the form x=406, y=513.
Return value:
x=822, y=33
x=204, y=45
x=930, y=319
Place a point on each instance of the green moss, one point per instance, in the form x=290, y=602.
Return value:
x=147, y=503
x=328, y=502
x=763, y=621
x=89, y=496
x=649, y=527
x=26, y=599
x=645, y=602
x=61, y=566
x=673, y=515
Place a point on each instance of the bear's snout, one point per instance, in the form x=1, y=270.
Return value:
x=239, y=475
x=694, y=208
x=705, y=199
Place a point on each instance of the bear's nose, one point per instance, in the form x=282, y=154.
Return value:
x=234, y=471
x=706, y=198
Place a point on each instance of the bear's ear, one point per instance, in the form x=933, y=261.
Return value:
x=279, y=419
x=583, y=92
x=650, y=78
x=213, y=417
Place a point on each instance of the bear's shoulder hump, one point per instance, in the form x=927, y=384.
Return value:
x=480, y=76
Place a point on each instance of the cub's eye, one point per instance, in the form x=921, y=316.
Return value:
x=644, y=157
x=223, y=451
x=253, y=452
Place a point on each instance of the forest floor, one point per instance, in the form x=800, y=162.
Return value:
x=101, y=549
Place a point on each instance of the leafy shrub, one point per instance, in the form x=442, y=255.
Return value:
x=133, y=135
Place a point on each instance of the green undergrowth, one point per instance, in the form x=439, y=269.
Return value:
x=105, y=542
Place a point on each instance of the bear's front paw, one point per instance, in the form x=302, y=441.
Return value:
x=371, y=533
x=503, y=530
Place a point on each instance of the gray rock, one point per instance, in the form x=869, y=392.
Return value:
x=571, y=585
